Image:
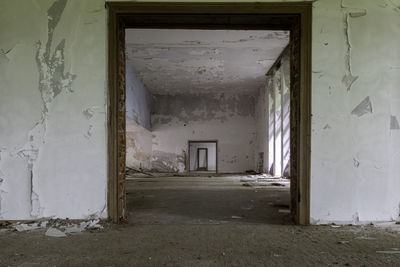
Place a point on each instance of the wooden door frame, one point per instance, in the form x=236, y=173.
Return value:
x=294, y=16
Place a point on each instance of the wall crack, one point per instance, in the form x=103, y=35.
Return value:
x=349, y=79
x=52, y=81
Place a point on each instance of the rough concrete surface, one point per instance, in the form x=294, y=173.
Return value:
x=240, y=242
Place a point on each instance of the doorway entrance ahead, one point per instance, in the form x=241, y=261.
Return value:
x=293, y=17
x=203, y=156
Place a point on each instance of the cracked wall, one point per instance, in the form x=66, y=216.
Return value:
x=70, y=169
x=52, y=128
x=355, y=92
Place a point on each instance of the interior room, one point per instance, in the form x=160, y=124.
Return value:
x=211, y=104
x=199, y=133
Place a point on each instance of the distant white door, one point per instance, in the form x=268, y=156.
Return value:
x=202, y=159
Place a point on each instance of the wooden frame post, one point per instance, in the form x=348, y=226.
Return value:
x=296, y=17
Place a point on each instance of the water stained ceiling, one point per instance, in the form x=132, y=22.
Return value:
x=170, y=61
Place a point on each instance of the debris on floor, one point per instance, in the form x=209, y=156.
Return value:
x=284, y=211
x=391, y=251
x=53, y=227
x=365, y=238
x=134, y=171
x=264, y=180
x=391, y=226
x=53, y=232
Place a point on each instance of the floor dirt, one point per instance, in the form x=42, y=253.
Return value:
x=192, y=225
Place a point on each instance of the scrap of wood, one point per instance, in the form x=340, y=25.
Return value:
x=139, y=171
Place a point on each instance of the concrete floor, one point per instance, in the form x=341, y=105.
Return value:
x=200, y=231
x=205, y=200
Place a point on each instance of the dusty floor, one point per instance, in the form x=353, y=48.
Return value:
x=201, y=232
x=205, y=200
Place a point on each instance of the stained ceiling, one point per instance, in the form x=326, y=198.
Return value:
x=202, y=61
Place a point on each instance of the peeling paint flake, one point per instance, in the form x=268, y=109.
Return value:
x=349, y=79
x=88, y=113
x=394, y=123
x=363, y=108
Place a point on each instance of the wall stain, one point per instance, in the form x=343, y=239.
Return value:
x=326, y=127
x=205, y=107
x=356, y=163
x=363, y=108
x=3, y=54
x=394, y=123
x=168, y=162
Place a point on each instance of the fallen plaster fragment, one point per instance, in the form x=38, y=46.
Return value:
x=94, y=225
x=284, y=211
x=363, y=108
x=73, y=229
x=394, y=123
x=53, y=232
x=23, y=227
x=393, y=251
x=365, y=238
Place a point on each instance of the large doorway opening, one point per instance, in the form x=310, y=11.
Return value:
x=203, y=156
x=288, y=152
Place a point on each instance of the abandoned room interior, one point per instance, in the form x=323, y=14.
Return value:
x=206, y=112
x=199, y=133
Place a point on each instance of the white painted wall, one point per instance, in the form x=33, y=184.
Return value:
x=138, y=99
x=228, y=118
x=52, y=127
x=139, y=145
x=138, y=127
x=353, y=157
x=69, y=169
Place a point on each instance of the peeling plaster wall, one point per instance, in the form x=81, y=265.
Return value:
x=138, y=146
x=354, y=172
x=356, y=79
x=228, y=118
x=52, y=106
x=138, y=126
